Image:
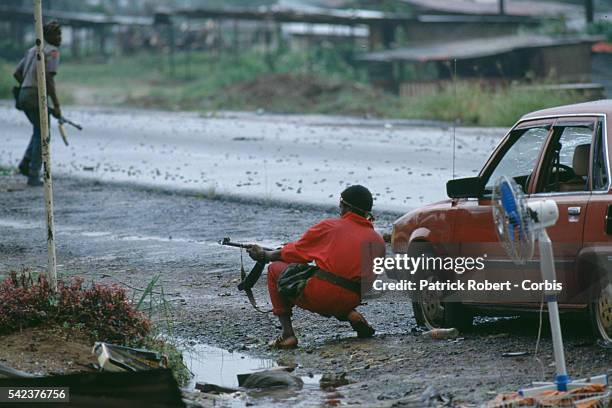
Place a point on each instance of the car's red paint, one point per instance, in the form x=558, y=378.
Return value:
x=583, y=248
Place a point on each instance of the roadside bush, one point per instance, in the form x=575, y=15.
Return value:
x=102, y=310
x=6, y=80
x=601, y=27
x=473, y=104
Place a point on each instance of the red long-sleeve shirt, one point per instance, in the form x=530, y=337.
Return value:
x=344, y=246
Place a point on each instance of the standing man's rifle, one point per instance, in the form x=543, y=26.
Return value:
x=61, y=121
x=247, y=281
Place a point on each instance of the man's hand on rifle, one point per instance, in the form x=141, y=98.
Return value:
x=56, y=112
x=257, y=253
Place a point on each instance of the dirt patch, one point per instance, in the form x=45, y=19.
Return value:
x=45, y=350
x=290, y=93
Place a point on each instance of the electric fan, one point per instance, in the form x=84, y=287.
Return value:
x=519, y=223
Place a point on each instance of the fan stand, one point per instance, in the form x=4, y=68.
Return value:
x=562, y=381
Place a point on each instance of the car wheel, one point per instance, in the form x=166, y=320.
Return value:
x=428, y=309
x=601, y=314
x=431, y=312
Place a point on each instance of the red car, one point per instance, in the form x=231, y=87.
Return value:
x=561, y=154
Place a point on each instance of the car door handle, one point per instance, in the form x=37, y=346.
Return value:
x=574, y=211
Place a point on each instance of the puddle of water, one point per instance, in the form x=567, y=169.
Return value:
x=220, y=367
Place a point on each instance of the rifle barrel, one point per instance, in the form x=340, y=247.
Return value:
x=71, y=123
x=227, y=242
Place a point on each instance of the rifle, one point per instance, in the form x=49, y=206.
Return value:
x=228, y=242
x=61, y=120
x=247, y=281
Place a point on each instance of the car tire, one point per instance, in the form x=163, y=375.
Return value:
x=431, y=312
x=451, y=314
x=600, y=313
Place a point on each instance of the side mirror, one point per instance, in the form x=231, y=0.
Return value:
x=471, y=187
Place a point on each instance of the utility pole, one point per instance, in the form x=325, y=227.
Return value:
x=502, y=7
x=44, y=141
x=589, y=11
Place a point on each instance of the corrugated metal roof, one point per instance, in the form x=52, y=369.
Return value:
x=325, y=30
x=293, y=14
x=512, y=7
x=467, y=49
x=74, y=18
x=318, y=15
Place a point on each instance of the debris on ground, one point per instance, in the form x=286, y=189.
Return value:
x=242, y=378
x=333, y=380
x=9, y=372
x=128, y=389
x=214, y=388
x=197, y=399
x=515, y=354
x=273, y=379
x=440, y=334
x=429, y=396
x=590, y=396
x=114, y=358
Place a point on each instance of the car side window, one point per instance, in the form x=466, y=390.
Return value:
x=567, y=161
x=520, y=159
x=600, y=163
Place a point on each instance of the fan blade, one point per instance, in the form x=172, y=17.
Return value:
x=507, y=199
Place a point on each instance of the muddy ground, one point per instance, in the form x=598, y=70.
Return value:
x=46, y=350
x=116, y=233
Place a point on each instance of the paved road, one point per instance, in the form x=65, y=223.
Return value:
x=304, y=159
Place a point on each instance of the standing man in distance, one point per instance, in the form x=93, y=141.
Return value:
x=25, y=74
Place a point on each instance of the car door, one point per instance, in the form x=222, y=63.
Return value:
x=594, y=270
x=517, y=157
x=565, y=176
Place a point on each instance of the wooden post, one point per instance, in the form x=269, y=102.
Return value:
x=44, y=141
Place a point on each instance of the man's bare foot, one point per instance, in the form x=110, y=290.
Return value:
x=284, y=343
x=360, y=325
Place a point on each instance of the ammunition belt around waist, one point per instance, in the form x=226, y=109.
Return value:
x=353, y=286
x=295, y=277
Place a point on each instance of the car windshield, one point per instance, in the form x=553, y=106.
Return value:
x=520, y=158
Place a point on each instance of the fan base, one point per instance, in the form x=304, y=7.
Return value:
x=562, y=383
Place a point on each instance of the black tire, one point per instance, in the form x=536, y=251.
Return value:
x=458, y=315
x=431, y=312
x=452, y=314
x=600, y=314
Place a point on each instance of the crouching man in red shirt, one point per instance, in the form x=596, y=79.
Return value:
x=344, y=249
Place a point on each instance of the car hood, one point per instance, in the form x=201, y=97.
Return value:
x=421, y=211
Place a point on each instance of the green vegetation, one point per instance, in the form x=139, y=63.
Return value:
x=152, y=301
x=5, y=171
x=290, y=82
x=6, y=80
x=601, y=27
x=389, y=6
x=472, y=104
